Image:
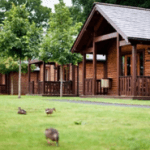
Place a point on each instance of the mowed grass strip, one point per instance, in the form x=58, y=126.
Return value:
x=103, y=128
x=105, y=100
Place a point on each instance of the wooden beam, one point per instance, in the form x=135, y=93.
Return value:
x=88, y=50
x=118, y=64
x=98, y=24
x=84, y=72
x=94, y=68
x=134, y=54
x=124, y=43
x=106, y=37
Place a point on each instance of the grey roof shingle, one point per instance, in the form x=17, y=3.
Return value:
x=133, y=22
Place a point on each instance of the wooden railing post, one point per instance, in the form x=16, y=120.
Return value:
x=134, y=54
x=94, y=66
x=84, y=72
x=118, y=64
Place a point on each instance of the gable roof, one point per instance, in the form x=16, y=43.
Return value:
x=129, y=22
x=132, y=22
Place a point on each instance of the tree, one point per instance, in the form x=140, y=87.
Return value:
x=86, y=5
x=37, y=13
x=59, y=39
x=19, y=38
x=8, y=65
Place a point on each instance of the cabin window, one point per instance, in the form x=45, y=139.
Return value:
x=141, y=65
x=122, y=65
x=98, y=57
x=128, y=66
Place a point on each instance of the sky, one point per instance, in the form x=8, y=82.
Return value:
x=50, y=3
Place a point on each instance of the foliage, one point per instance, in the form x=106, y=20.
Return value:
x=87, y=5
x=8, y=65
x=18, y=37
x=37, y=13
x=60, y=37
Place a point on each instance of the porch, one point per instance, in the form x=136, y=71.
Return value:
x=48, y=79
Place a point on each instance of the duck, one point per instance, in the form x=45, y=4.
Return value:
x=52, y=134
x=50, y=110
x=21, y=111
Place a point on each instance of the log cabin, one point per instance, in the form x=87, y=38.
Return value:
x=122, y=35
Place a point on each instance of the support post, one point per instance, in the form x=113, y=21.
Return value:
x=134, y=54
x=29, y=73
x=105, y=68
x=118, y=64
x=84, y=72
x=94, y=68
x=78, y=80
x=43, y=77
x=73, y=79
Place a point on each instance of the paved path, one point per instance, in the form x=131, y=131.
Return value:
x=101, y=103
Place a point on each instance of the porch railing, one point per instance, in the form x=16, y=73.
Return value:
x=53, y=87
x=143, y=86
x=3, y=89
x=99, y=89
x=88, y=86
x=125, y=85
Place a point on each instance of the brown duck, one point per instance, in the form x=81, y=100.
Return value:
x=52, y=134
x=21, y=111
x=49, y=110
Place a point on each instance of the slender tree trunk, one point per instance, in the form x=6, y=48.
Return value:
x=61, y=81
x=19, y=80
x=12, y=85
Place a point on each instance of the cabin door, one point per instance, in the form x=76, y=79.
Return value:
x=128, y=65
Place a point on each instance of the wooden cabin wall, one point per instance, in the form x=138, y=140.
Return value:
x=112, y=67
x=24, y=82
x=89, y=73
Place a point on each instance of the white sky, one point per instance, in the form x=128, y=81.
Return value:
x=50, y=3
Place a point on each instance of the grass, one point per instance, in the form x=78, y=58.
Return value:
x=103, y=128
x=106, y=100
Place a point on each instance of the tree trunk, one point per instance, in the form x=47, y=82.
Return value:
x=12, y=85
x=19, y=80
x=61, y=81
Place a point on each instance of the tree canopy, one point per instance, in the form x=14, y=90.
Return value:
x=8, y=65
x=18, y=37
x=60, y=37
x=85, y=6
x=37, y=13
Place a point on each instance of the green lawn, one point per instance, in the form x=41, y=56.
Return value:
x=104, y=127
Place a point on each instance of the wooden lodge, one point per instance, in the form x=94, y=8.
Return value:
x=122, y=35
